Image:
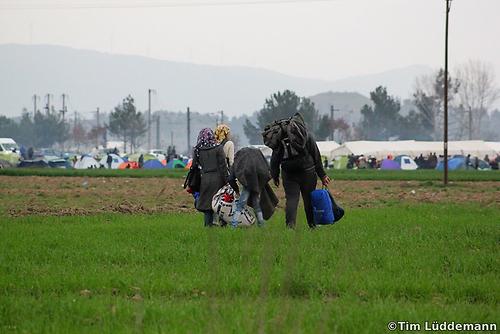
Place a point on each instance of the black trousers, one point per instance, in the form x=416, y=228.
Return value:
x=297, y=183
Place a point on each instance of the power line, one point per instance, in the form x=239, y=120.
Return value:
x=156, y=4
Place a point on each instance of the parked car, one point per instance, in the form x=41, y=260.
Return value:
x=9, y=151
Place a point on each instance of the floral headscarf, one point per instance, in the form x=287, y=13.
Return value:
x=222, y=132
x=206, y=139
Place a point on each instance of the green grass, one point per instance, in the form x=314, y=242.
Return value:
x=136, y=173
x=366, y=174
x=408, y=263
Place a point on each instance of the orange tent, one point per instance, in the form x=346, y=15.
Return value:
x=189, y=164
x=129, y=165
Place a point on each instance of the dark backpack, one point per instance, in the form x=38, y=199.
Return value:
x=290, y=132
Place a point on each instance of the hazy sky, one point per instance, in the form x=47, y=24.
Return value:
x=319, y=39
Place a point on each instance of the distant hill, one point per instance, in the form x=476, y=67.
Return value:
x=399, y=82
x=94, y=79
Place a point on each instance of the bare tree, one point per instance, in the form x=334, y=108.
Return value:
x=429, y=99
x=477, y=93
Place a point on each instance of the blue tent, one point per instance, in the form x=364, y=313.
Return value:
x=453, y=164
x=153, y=164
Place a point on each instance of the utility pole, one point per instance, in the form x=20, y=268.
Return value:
x=158, y=131
x=98, y=127
x=222, y=117
x=448, y=7
x=149, y=119
x=470, y=123
x=35, y=98
x=63, y=110
x=48, y=104
x=97, y=117
x=188, y=130
x=332, y=119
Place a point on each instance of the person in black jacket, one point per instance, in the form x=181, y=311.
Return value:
x=109, y=160
x=299, y=175
x=251, y=169
x=210, y=159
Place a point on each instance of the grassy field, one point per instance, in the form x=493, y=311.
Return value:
x=363, y=174
x=165, y=273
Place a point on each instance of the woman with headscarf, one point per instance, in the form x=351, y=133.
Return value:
x=222, y=134
x=210, y=159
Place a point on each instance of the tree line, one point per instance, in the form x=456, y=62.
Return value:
x=46, y=129
x=472, y=92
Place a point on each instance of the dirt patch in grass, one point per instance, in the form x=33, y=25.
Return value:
x=66, y=196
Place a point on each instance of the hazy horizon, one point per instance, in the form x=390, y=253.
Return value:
x=334, y=40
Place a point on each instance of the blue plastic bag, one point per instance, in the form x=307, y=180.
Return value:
x=322, y=207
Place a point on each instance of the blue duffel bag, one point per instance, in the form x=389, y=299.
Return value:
x=325, y=210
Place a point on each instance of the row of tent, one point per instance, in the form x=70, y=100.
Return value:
x=413, y=148
x=150, y=162
x=401, y=162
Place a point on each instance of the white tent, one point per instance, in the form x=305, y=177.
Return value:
x=366, y=148
x=326, y=148
x=86, y=163
x=412, y=148
x=494, y=145
x=117, y=160
x=476, y=148
x=407, y=163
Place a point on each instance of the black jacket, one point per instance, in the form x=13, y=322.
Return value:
x=310, y=160
x=214, y=174
x=252, y=170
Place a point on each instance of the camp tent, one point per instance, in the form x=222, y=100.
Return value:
x=376, y=148
x=189, y=164
x=175, y=163
x=406, y=163
x=494, y=145
x=153, y=164
x=39, y=163
x=340, y=162
x=412, y=148
x=388, y=164
x=59, y=163
x=476, y=148
x=135, y=157
x=326, y=148
x=117, y=161
x=87, y=162
x=129, y=165
x=453, y=164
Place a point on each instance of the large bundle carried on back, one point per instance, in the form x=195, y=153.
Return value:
x=224, y=206
x=291, y=132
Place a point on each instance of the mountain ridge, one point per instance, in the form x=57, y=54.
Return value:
x=97, y=79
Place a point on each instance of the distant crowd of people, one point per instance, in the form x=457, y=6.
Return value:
x=428, y=162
